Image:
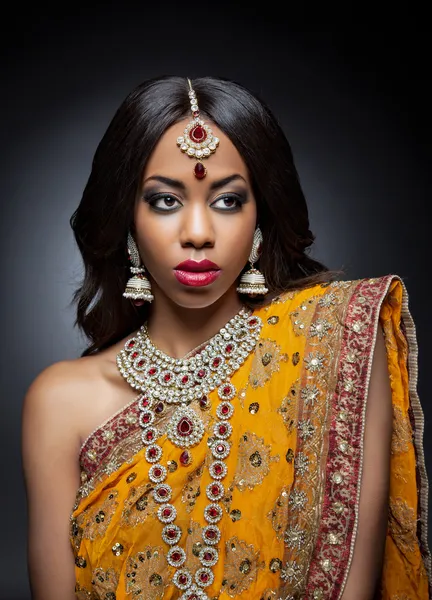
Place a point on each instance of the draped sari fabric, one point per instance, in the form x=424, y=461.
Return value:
x=294, y=472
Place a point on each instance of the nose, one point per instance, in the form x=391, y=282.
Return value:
x=197, y=227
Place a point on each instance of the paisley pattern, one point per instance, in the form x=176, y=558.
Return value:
x=291, y=493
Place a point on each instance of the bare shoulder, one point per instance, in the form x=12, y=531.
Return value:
x=55, y=395
x=78, y=394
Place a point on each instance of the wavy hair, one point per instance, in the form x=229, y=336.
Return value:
x=105, y=213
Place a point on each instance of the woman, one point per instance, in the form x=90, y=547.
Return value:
x=242, y=424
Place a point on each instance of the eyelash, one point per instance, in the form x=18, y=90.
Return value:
x=153, y=198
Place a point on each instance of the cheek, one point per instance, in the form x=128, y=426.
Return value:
x=153, y=235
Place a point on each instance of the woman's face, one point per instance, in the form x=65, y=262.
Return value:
x=181, y=218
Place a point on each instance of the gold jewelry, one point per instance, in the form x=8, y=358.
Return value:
x=253, y=281
x=163, y=379
x=198, y=140
x=138, y=287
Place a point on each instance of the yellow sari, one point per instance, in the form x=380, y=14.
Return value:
x=294, y=472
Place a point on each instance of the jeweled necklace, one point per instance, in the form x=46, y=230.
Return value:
x=163, y=379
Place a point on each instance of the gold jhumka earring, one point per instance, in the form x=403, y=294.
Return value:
x=198, y=140
x=138, y=288
x=252, y=282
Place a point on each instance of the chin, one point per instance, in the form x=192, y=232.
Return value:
x=197, y=297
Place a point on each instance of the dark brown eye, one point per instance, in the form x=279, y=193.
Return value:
x=228, y=203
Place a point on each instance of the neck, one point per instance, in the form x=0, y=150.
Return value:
x=176, y=330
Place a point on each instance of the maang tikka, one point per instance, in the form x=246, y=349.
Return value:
x=198, y=140
x=252, y=282
x=138, y=287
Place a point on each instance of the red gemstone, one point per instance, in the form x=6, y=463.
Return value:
x=214, y=512
x=215, y=490
x=167, y=512
x=198, y=134
x=167, y=377
x=253, y=322
x=152, y=452
x=193, y=597
x=185, y=426
x=220, y=448
x=152, y=371
x=182, y=579
x=204, y=577
x=208, y=556
x=176, y=556
x=131, y=344
x=223, y=429
x=171, y=533
x=210, y=534
x=185, y=378
x=218, y=469
x=146, y=417
x=200, y=171
x=157, y=472
x=195, y=113
x=216, y=362
x=201, y=373
x=159, y=407
x=203, y=402
x=149, y=436
x=185, y=458
x=224, y=409
x=229, y=348
x=134, y=354
x=162, y=492
x=145, y=402
x=141, y=363
x=226, y=390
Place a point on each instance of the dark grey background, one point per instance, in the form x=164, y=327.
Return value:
x=354, y=105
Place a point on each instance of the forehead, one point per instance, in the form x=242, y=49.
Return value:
x=167, y=158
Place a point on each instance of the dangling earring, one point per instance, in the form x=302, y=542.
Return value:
x=138, y=288
x=253, y=282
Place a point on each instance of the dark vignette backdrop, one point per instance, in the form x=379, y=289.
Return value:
x=353, y=103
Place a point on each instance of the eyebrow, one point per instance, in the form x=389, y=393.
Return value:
x=176, y=183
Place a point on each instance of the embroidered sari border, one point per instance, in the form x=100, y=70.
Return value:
x=106, y=437
x=332, y=557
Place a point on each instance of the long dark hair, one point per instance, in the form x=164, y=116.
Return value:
x=105, y=213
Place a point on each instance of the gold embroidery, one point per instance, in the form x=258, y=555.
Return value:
x=253, y=463
x=402, y=432
x=279, y=514
x=147, y=574
x=95, y=521
x=138, y=505
x=227, y=499
x=194, y=543
x=288, y=408
x=105, y=583
x=75, y=535
x=121, y=453
x=83, y=594
x=321, y=322
x=302, y=316
x=266, y=361
x=192, y=489
x=403, y=525
x=241, y=566
x=400, y=473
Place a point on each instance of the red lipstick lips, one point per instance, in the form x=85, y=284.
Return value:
x=197, y=274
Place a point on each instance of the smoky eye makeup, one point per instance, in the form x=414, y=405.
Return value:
x=163, y=201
